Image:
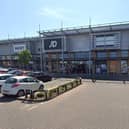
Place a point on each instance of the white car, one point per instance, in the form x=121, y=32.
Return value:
x=3, y=78
x=3, y=70
x=17, y=85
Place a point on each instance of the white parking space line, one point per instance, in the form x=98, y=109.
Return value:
x=42, y=103
x=25, y=106
x=34, y=107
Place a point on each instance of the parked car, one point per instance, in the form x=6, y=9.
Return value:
x=11, y=69
x=40, y=76
x=18, y=84
x=16, y=72
x=3, y=70
x=3, y=78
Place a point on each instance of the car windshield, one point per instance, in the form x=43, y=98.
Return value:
x=30, y=74
x=12, y=72
x=4, y=77
x=11, y=80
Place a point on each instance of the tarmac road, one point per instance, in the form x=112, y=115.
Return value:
x=101, y=105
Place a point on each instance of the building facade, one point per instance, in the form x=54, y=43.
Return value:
x=97, y=50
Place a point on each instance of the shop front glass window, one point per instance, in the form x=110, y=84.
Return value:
x=124, y=66
x=101, y=54
x=65, y=56
x=82, y=55
x=105, y=40
x=113, y=54
x=124, y=53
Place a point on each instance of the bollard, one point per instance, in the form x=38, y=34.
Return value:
x=93, y=80
x=80, y=80
x=124, y=82
x=31, y=94
x=27, y=92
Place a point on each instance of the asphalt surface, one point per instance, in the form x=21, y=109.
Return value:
x=101, y=105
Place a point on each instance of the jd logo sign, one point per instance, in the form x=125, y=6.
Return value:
x=53, y=44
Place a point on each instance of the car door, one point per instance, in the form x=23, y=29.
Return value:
x=32, y=84
x=24, y=84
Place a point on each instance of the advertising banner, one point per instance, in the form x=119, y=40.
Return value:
x=124, y=66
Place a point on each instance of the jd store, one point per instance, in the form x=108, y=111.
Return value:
x=53, y=57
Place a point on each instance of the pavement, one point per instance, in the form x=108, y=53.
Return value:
x=100, y=105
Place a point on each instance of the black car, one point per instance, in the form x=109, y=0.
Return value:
x=40, y=76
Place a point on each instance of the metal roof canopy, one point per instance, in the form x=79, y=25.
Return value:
x=18, y=40
x=86, y=29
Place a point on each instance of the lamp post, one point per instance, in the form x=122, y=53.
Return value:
x=90, y=46
x=41, y=49
x=63, y=54
x=41, y=55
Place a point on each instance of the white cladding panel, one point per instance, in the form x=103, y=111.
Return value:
x=19, y=47
x=37, y=47
x=124, y=39
x=5, y=49
x=78, y=43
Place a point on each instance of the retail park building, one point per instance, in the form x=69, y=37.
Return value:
x=91, y=49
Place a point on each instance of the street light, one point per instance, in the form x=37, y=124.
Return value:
x=90, y=46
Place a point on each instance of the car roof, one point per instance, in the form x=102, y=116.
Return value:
x=5, y=74
x=20, y=77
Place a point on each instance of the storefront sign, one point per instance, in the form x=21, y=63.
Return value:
x=19, y=48
x=53, y=44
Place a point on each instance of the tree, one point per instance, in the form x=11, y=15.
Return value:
x=24, y=57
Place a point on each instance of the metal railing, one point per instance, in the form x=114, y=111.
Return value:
x=86, y=27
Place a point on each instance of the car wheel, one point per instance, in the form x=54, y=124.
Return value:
x=20, y=93
x=41, y=87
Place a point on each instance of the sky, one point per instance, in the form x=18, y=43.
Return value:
x=21, y=18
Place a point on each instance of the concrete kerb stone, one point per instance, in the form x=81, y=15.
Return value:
x=69, y=86
x=62, y=89
x=53, y=92
x=40, y=95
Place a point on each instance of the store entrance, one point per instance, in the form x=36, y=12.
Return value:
x=101, y=67
x=76, y=67
x=53, y=66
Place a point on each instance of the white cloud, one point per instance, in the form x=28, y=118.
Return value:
x=58, y=13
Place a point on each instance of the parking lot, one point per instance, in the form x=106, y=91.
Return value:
x=100, y=105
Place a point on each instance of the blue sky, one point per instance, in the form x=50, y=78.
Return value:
x=22, y=17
